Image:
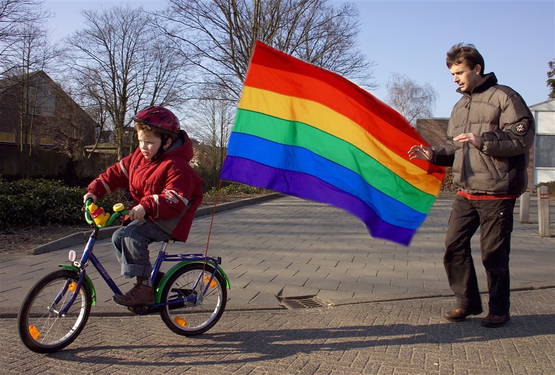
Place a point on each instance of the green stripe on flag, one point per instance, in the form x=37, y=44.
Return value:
x=336, y=150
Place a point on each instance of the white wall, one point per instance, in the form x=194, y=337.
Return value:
x=545, y=122
x=544, y=175
x=544, y=114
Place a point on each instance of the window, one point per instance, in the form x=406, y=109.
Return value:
x=545, y=151
x=42, y=101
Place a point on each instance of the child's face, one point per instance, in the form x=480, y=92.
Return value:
x=149, y=143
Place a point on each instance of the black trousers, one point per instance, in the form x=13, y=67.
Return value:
x=495, y=219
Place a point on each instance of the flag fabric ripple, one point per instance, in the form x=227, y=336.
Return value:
x=308, y=132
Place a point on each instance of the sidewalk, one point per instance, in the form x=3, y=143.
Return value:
x=294, y=248
x=289, y=247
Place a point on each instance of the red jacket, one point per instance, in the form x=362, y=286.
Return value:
x=168, y=188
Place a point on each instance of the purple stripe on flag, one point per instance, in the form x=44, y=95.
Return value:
x=309, y=187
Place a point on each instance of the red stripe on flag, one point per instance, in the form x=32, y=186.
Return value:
x=276, y=71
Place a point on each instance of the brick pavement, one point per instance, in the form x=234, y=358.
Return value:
x=290, y=247
x=399, y=337
x=293, y=247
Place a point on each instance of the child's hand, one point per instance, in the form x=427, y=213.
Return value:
x=137, y=212
x=89, y=196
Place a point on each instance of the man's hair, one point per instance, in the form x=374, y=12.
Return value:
x=465, y=53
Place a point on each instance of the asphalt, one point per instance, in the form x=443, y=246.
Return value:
x=380, y=304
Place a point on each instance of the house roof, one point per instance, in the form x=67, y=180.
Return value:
x=548, y=105
x=7, y=82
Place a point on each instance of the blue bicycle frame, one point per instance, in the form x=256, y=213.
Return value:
x=162, y=257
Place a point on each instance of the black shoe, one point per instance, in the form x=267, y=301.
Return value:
x=140, y=294
x=459, y=314
x=493, y=321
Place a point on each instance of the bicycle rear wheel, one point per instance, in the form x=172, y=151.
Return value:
x=41, y=328
x=196, y=300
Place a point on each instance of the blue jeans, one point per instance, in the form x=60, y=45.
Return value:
x=131, y=247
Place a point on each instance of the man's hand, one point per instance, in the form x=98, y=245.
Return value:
x=137, y=212
x=420, y=152
x=89, y=196
x=467, y=137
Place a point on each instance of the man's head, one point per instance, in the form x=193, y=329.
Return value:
x=466, y=66
x=156, y=127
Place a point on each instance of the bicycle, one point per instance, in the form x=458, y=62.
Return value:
x=190, y=297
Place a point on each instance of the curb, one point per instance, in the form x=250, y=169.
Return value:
x=104, y=233
x=117, y=310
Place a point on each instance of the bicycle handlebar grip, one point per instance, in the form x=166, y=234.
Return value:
x=118, y=207
x=119, y=210
x=88, y=217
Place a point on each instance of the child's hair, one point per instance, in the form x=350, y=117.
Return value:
x=139, y=126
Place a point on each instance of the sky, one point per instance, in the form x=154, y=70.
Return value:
x=411, y=37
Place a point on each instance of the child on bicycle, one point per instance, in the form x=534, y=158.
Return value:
x=166, y=193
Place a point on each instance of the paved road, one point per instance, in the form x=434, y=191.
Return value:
x=401, y=337
x=290, y=247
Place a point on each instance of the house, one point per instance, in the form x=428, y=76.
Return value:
x=544, y=164
x=38, y=117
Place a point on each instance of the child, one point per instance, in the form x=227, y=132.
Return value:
x=166, y=193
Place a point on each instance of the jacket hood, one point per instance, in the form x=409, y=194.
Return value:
x=181, y=147
x=488, y=80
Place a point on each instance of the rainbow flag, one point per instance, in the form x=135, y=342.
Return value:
x=308, y=132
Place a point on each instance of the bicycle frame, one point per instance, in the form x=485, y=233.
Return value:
x=162, y=257
x=190, y=295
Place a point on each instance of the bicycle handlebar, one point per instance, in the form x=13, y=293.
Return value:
x=95, y=215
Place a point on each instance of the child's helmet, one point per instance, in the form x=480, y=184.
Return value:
x=159, y=118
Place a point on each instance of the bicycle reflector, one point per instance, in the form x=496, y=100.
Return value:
x=34, y=331
x=207, y=280
x=180, y=321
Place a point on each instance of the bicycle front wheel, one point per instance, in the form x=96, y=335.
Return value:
x=41, y=326
x=196, y=300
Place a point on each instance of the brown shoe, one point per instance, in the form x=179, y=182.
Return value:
x=493, y=321
x=140, y=294
x=459, y=314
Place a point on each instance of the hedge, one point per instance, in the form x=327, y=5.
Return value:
x=30, y=202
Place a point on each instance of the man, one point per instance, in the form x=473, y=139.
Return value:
x=489, y=136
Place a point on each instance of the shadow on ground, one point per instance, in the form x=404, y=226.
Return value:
x=262, y=345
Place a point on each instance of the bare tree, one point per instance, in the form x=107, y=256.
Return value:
x=213, y=120
x=15, y=17
x=124, y=64
x=221, y=34
x=30, y=52
x=551, y=78
x=34, y=54
x=410, y=99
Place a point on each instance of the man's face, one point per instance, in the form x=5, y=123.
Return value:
x=149, y=143
x=464, y=77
